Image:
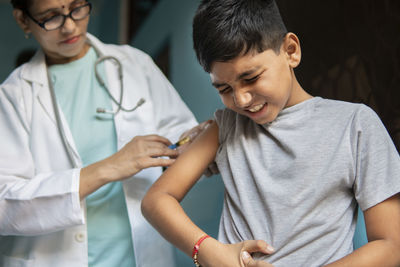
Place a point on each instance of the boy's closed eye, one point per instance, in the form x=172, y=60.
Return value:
x=224, y=91
x=247, y=77
x=253, y=79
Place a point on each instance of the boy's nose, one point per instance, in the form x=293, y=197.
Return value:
x=242, y=98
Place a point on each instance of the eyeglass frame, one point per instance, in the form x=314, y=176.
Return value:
x=69, y=15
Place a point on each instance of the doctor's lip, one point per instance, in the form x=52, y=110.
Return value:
x=71, y=40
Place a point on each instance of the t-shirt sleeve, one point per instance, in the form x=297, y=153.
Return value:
x=225, y=120
x=377, y=160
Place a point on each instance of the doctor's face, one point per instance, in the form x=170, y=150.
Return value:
x=66, y=43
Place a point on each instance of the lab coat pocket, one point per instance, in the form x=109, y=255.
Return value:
x=6, y=261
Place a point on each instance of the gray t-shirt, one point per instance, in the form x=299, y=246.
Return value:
x=296, y=182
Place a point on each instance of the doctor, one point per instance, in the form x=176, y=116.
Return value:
x=71, y=179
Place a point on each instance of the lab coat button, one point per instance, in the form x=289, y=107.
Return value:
x=80, y=237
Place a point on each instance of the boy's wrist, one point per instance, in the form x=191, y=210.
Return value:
x=207, y=254
x=196, y=248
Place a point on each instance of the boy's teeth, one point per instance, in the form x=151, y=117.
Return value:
x=256, y=108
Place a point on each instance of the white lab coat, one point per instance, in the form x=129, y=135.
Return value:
x=42, y=220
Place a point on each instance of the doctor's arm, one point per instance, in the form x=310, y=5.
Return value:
x=161, y=207
x=383, y=231
x=36, y=197
x=32, y=202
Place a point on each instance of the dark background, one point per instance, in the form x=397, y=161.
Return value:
x=351, y=51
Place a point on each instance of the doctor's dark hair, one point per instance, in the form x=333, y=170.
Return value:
x=225, y=29
x=21, y=4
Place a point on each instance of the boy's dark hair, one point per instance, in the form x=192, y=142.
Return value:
x=225, y=29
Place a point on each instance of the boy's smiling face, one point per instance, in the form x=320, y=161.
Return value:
x=260, y=85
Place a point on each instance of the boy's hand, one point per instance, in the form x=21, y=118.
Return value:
x=252, y=246
x=213, y=253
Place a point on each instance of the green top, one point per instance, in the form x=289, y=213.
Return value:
x=79, y=94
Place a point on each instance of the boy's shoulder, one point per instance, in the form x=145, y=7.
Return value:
x=354, y=110
x=225, y=119
x=338, y=104
x=224, y=113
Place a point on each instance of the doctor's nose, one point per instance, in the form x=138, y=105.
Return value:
x=68, y=26
x=242, y=98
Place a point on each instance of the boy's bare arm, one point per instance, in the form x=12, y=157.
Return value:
x=161, y=207
x=383, y=230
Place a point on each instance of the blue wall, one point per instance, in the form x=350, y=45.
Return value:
x=12, y=41
x=171, y=21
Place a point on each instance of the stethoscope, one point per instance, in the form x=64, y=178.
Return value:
x=101, y=58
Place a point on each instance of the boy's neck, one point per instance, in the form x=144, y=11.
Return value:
x=298, y=94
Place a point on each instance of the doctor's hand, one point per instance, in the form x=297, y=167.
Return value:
x=140, y=153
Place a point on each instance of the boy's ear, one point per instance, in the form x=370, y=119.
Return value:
x=291, y=46
x=21, y=19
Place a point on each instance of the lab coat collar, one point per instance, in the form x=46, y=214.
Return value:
x=35, y=73
x=35, y=70
x=102, y=47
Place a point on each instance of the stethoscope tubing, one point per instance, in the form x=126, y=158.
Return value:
x=101, y=58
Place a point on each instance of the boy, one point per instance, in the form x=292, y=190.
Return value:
x=294, y=166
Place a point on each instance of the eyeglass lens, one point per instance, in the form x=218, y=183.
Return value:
x=57, y=21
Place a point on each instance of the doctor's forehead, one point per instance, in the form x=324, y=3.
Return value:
x=43, y=5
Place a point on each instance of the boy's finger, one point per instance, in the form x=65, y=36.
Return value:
x=246, y=258
x=258, y=246
x=249, y=262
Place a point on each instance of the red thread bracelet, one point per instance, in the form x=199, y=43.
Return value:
x=196, y=250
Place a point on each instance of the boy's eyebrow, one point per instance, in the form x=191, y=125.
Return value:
x=217, y=85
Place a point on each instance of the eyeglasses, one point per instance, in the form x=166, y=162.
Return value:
x=58, y=21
